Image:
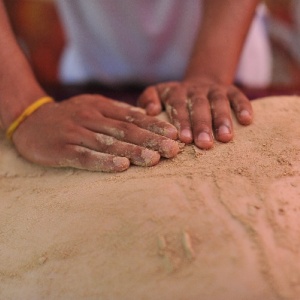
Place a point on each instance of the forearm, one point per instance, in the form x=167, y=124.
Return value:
x=220, y=39
x=18, y=86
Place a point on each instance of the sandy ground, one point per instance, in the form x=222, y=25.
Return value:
x=215, y=225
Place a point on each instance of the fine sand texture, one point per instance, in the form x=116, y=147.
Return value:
x=209, y=225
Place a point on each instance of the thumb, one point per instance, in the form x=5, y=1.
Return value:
x=150, y=101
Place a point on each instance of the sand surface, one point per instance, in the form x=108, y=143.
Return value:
x=215, y=225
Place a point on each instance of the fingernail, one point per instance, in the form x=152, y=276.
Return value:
x=149, y=158
x=121, y=163
x=186, y=133
x=204, y=137
x=223, y=129
x=245, y=114
x=169, y=148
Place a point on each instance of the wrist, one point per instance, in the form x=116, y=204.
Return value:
x=26, y=113
x=206, y=78
x=15, y=100
x=222, y=73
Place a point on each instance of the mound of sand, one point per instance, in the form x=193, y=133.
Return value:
x=218, y=224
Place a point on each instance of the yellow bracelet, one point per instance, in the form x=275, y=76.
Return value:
x=26, y=113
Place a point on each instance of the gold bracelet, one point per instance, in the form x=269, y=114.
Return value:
x=26, y=113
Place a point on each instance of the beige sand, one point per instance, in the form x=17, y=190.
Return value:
x=218, y=224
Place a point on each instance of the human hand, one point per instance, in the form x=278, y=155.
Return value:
x=199, y=108
x=94, y=133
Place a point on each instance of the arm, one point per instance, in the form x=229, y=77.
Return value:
x=220, y=40
x=18, y=86
x=201, y=102
x=87, y=132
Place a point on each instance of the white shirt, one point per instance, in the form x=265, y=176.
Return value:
x=142, y=41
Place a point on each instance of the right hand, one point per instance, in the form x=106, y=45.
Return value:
x=200, y=108
x=94, y=133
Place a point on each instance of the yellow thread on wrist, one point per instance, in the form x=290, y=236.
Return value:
x=26, y=113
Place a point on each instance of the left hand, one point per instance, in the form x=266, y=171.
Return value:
x=95, y=133
x=200, y=108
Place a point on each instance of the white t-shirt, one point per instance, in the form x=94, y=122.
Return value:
x=142, y=41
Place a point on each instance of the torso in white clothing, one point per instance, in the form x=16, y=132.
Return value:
x=141, y=41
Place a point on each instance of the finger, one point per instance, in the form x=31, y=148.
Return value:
x=241, y=106
x=150, y=101
x=108, y=107
x=83, y=158
x=133, y=134
x=201, y=121
x=177, y=110
x=154, y=125
x=221, y=115
x=127, y=132
x=133, y=115
x=137, y=155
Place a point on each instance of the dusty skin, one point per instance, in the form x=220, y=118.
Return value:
x=215, y=225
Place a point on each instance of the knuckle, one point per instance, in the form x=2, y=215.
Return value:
x=234, y=94
x=220, y=119
x=196, y=100
x=237, y=95
x=217, y=96
x=203, y=128
x=198, y=105
x=195, y=90
x=176, y=101
x=202, y=125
